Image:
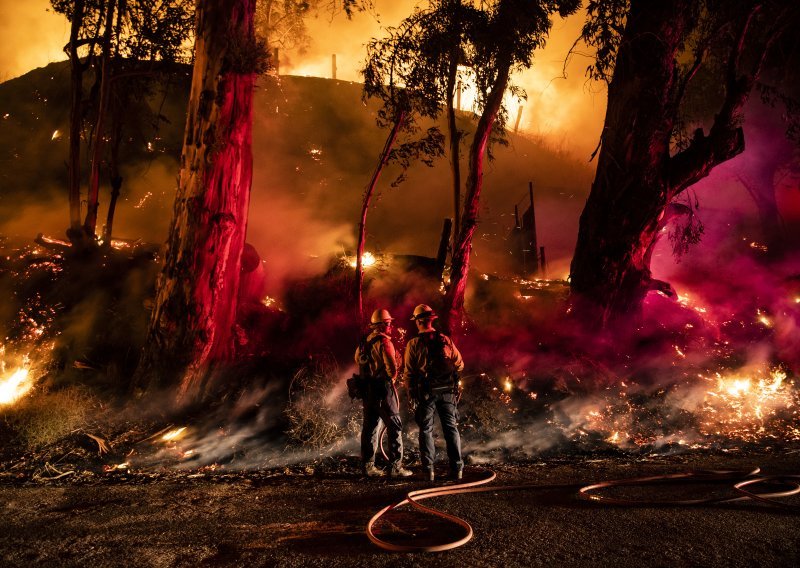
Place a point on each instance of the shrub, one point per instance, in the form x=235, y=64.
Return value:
x=46, y=417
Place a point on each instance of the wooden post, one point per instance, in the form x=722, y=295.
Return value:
x=444, y=242
x=542, y=262
x=519, y=115
x=533, y=229
x=458, y=96
x=333, y=66
x=516, y=217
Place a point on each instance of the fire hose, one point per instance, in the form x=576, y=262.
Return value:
x=741, y=480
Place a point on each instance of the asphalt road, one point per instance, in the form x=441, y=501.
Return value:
x=272, y=519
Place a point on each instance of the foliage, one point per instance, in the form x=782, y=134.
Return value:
x=314, y=411
x=153, y=30
x=46, y=417
x=689, y=230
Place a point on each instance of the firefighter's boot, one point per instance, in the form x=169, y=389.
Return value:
x=399, y=471
x=371, y=471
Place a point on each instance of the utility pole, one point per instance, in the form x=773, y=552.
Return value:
x=519, y=115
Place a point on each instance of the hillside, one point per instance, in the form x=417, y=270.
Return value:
x=315, y=145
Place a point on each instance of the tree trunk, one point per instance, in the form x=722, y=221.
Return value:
x=76, y=97
x=118, y=109
x=362, y=225
x=455, y=137
x=636, y=176
x=90, y=223
x=454, y=298
x=195, y=311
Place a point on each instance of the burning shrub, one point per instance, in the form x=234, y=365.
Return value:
x=45, y=418
x=319, y=412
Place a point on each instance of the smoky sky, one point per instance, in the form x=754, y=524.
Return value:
x=570, y=110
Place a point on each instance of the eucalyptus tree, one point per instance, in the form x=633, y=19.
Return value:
x=650, y=54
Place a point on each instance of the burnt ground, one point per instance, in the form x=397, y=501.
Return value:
x=306, y=518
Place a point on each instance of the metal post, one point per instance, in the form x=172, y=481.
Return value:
x=458, y=96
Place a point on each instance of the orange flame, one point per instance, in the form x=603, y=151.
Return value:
x=15, y=387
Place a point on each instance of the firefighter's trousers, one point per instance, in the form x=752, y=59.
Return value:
x=383, y=405
x=445, y=406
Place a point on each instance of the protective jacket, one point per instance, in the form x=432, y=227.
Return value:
x=382, y=356
x=417, y=359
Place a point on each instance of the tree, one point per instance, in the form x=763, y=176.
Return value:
x=650, y=52
x=112, y=37
x=514, y=30
x=191, y=329
x=427, y=55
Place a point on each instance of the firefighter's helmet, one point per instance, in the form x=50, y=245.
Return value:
x=380, y=316
x=423, y=311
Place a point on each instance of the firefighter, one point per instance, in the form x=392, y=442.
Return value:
x=432, y=364
x=378, y=365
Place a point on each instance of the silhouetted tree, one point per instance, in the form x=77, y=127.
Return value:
x=483, y=42
x=650, y=52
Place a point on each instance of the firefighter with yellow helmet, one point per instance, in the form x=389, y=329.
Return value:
x=432, y=364
x=378, y=367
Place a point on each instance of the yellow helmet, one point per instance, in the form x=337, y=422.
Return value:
x=380, y=316
x=423, y=311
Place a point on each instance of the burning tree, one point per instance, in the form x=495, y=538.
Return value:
x=195, y=312
x=428, y=54
x=650, y=52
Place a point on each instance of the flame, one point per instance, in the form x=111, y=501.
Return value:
x=15, y=387
x=763, y=318
x=750, y=407
x=367, y=259
x=175, y=434
x=56, y=135
x=507, y=386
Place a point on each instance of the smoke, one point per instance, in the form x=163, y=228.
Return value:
x=33, y=36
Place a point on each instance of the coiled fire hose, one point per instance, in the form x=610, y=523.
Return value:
x=741, y=479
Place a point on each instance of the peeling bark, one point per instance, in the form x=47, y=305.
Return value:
x=636, y=177
x=195, y=311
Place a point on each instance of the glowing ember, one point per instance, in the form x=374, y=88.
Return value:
x=367, y=259
x=175, y=434
x=507, y=386
x=143, y=200
x=751, y=407
x=763, y=319
x=56, y=135
x=15, y=387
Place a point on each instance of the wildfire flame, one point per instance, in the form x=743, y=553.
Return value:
x=367, y=259
x=15, y=387
x=745, y=407
x=175, y=434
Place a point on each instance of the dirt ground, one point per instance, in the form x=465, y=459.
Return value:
x=271, y=518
